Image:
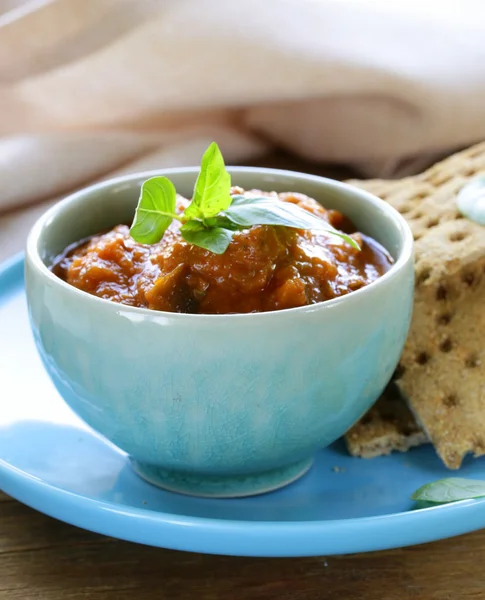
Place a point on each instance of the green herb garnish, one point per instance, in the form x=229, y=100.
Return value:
x=155, y=210
x=451, y=489
x=213, y=216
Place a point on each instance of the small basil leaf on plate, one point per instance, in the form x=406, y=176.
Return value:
x=270, y=211
x=215, y=239
x=212, y=188
x=450, y=489
x=471, y=200
x=155, y=210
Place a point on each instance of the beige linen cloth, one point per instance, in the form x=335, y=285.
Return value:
x=90, y=88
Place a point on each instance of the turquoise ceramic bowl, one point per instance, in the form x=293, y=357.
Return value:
x=218, y=405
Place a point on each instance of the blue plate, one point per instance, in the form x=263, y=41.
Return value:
x=54, y=463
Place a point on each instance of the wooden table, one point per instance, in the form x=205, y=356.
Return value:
x=43, y=559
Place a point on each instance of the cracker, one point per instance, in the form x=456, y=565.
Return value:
x=388, y=426
x=442, y=369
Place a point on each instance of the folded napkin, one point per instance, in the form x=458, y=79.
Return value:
x=89, y=88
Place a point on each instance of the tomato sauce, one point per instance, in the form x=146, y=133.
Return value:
x=265, y=268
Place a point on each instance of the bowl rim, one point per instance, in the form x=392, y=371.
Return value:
x=405, y=256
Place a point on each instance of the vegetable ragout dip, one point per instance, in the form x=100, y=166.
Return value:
x=264, y=268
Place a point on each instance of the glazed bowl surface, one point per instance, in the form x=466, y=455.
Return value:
x=218, y=405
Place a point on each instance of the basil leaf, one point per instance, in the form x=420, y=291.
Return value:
x=222, y=221
x=471, y=200
x=238, y=199
x=155, y=210
x=215, y=239
x=212, y=188
x=269, y=211
x=451, y=489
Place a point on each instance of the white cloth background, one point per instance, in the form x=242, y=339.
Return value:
x=89, y=88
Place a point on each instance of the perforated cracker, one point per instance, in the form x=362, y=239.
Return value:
x=442, y=369
x=388, y=426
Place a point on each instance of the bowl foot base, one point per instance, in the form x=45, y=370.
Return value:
x=221, y=486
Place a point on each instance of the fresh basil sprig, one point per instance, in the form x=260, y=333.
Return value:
x=269, y=211
x=213, y=238
x=212, y=188
x=450, y=489
x=155, y=210
x=213, y=216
